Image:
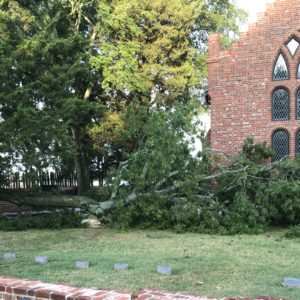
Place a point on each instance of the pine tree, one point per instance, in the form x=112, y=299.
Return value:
x=68, y=66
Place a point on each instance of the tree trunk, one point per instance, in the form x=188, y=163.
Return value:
x=44, y=200
x=81, y=163
x=81, y=166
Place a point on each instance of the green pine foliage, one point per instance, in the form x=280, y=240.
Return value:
x=71, y=68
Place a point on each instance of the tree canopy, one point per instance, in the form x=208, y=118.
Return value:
x=70, y=69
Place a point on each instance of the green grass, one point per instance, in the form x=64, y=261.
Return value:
x=226, y=265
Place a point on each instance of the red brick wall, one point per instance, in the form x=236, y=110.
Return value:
x=25, y=289
x=240, y=79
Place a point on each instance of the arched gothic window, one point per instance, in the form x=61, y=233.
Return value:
x=280, y=105
x=280, y=144
x=280, y=71
x=297, y=143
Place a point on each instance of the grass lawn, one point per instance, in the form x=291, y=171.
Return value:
x=204, y=264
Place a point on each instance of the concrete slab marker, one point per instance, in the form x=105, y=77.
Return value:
x=82, y=264
x=41, y=259
x=291, y=283
x=121, y=267
x=9, y=256
x=164, y=270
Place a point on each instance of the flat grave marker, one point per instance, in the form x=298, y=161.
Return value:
x=164, y=270
x=41, y=259
x=9, y=256
x=291, y=283
x=82, y=264
x=120, y=267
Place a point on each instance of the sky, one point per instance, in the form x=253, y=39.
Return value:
x=252, y=7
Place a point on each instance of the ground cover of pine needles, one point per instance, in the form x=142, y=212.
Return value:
x=209, y=265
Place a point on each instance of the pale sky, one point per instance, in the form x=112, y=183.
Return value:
x=252, y=7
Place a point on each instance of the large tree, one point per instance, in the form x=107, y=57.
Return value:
x=71, y=68
x=46, y=93
x=157, y=57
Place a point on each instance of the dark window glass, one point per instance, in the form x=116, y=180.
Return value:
x=298, y=105
x=297, y=143
x=280, y=144
x=280, y=71
x=280, y=105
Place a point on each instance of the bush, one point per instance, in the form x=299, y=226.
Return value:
x=243, y=216
x=283, y=193
x=241, y=188
x=293, y=232
x=58, y=220
x=195, y=216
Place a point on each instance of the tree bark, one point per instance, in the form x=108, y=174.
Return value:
x=47, y=201
x=81, y=166
x=81, y=163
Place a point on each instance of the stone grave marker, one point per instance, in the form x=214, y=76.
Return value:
x=82, y=264
x=121, y=267
x=164, y=270
x=41, y=259
x=291, y=283
x=9, y=256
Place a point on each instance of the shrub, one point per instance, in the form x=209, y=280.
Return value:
x=240, y=190
x=293, y=232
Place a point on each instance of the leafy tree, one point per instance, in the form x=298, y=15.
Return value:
x=157, y=56
x=71, y=67
x=46, y=98
x=220, y=16
x=149, y=54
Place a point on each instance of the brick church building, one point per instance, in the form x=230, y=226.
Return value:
x=255, y=86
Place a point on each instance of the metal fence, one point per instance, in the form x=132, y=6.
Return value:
x=28, y=181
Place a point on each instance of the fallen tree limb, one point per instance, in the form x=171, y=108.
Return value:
x=47, y=201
